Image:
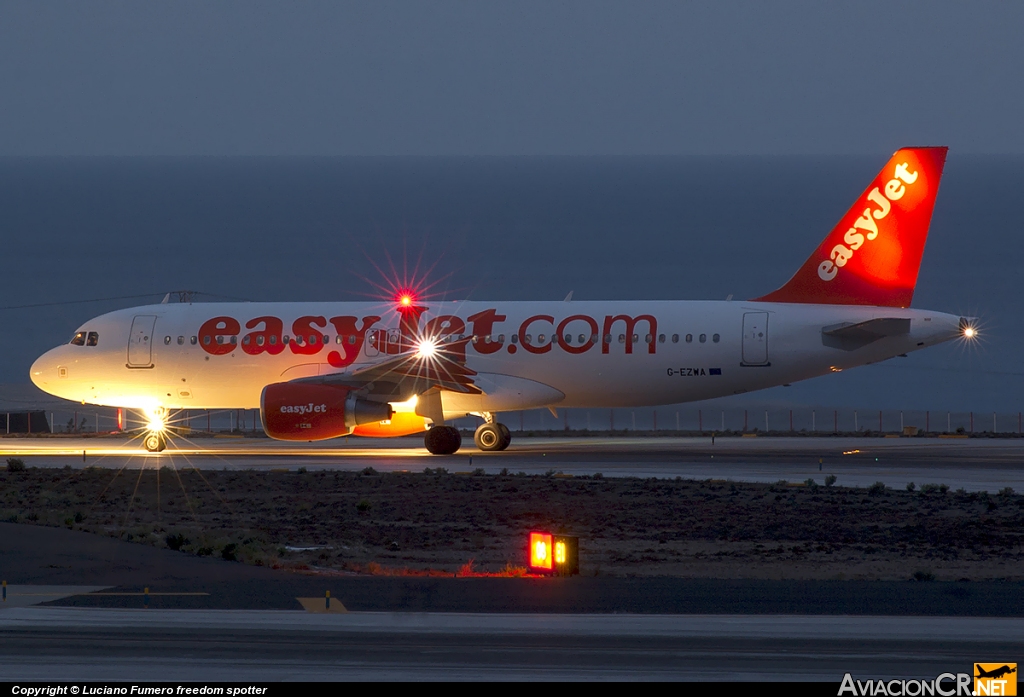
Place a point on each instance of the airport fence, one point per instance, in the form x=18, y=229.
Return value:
x=683, y=419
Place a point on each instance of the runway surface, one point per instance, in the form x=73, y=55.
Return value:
x=92, y=644
x=974, y=464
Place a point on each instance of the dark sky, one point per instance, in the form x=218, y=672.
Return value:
x=512, y=78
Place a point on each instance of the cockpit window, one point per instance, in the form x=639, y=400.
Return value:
x=79, y=339
x=93, y=339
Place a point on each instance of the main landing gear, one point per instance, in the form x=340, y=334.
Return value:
x=492, y=436
x=446, y=440
x=443, y=440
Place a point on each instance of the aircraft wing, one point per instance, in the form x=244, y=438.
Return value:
x=399, y=377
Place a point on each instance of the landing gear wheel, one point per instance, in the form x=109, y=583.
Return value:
x=154, y=442
x=489, y=437
x=442, y=440
x=506, y=436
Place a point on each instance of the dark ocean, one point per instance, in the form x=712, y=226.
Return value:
x=76, y=230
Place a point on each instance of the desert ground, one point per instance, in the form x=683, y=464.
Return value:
x=444, y=523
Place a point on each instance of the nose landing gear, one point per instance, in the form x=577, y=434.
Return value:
x=154, y=442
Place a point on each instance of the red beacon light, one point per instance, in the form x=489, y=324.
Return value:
x=405, y=298
x=554, y=555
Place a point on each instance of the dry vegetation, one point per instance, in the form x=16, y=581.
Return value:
x=371, y=522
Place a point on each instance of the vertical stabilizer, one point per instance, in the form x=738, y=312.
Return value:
x=873, y=255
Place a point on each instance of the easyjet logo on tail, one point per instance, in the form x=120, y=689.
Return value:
x=865, y=227
x=873, y=255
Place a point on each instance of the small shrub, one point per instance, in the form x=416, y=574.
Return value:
x=204, y=551
x=504, y=472
x=228, y=553
x=176, y=542
x=876, y=488
x=368, y=471
x=363, y=506
x=809, y=482
x=301, y=470
x=1006, y=491
x=943, y=488
x=15, y=464
x=598, y=475
x=830, y=480
x=923, y=575
x=911, y=486
x=479, y=471
x=79, y=517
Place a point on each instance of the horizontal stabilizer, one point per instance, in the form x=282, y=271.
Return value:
x=850, y=336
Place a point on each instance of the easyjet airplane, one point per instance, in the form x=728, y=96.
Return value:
x=324, y=370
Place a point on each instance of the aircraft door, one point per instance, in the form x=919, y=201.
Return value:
x=140, y=342
x=375, y=343
x=755, y=338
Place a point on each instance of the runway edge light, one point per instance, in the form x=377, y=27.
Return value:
x=555, y=555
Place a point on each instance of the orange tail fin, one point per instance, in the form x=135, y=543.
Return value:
x=873, y=255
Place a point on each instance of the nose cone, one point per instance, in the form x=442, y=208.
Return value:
x=43, y=371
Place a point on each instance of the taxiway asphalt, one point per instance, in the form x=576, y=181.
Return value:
x=974, y=464
x=98, y=645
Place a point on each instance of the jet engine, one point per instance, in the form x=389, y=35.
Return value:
x=305, y=412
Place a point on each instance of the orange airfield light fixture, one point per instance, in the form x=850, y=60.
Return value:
x=556, y=555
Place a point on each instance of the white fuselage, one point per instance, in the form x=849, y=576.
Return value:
x=161, y=355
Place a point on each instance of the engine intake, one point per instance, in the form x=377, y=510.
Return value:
x=305, y=412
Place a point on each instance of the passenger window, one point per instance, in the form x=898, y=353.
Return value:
x=583, y=338
x=195, y=340
x=167, y=341
x=79, y=339
x=206, y=340
x=675, y=338
x=636, y=338
x=245, y=340
x=529, y=338
x=515, y=338
x=92, y=339
x=715, y=338
x=234, y=341
x=351, y=338
x=648, y=339
x=689, y=338
x=622, y=338
x=540, y=339
x=568, y=339
x=327, y=339
x=273, y=340
x=259, y=340
x=703, y=338
x=181, y=341
x=661, y=338
x=607, y=338
x=287, y=338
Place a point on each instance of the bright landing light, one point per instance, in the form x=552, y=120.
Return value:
x=155, y=421
x=426, y=348
x=969, y=333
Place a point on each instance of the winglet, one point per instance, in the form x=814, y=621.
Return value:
x=873, y=255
